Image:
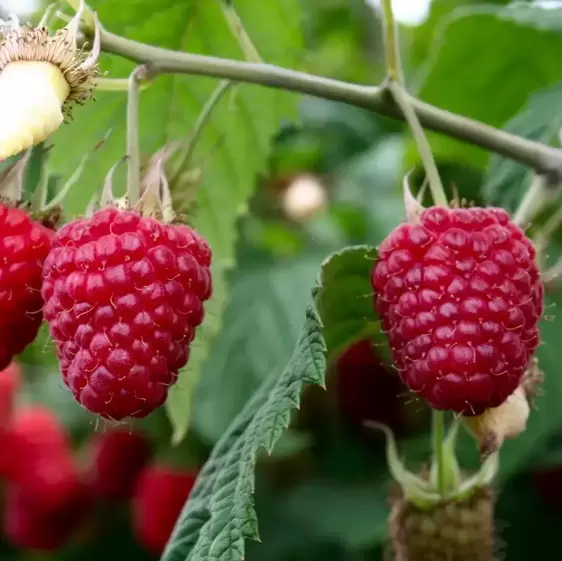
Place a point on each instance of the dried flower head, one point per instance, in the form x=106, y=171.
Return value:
x=41, y=77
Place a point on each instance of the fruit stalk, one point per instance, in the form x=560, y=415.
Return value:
x=393, y=65
x=237, y=27
x=133, y=149
x=185, y=155
x=374, y=98
x=438, y=437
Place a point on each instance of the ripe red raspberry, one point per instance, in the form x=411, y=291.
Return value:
x=123, y=296
x=159, y=498
x=24, y=246
x=9, y=385
x=365, y=390
x=26, y=525
x=118, y=458
x=460, y=296
x=41, y=458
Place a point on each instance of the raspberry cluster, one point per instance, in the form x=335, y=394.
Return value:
x=46, y=499
x=160, y=495
x=52, y=498
x=460, y=296
x=123, y=296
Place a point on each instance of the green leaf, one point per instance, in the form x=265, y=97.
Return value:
x=485, y=63
x=235, y=143
x=348, y=313
x=506, y=181
x=261, y=324
x=267, y=301
x=351, y=514
x=220, y=514
x=546, y=417
x=421, y=36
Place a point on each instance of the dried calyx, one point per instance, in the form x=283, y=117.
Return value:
x=41, y=77
x=39, y=200
x=159, y=180
x=156, y=198
x=12, y=180
x=509, y=419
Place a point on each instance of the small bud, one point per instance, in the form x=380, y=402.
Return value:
x=41, y=77
x=495, y=425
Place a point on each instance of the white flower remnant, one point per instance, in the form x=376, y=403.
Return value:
x=41, y=77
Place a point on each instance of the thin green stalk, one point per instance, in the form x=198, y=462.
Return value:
x=438, y=438
x=117, y=84
x=435, y=186
x=133, y=148
x=187, y=153
x=543, y=158
x=238, y=30
x=393, y=65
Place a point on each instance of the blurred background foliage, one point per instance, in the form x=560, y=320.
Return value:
x=332, y=179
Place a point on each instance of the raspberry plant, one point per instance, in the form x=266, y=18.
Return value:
x=134, y=288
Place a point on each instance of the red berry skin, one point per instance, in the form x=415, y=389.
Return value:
x=547, y=484
x=9, y=385
x=160, y=495
x=27, y=526
x=118, y=457
x=365, y=390
x=24, y=246
x=460, y=296
x=41, y=459
x=123, y=297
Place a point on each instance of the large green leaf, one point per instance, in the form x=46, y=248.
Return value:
x=485, y=62
x=541, y=119
x=353, y=515
x=235, y=144
x=546, y=419
x=220, y=514
x=420, y=38
x=267, y=302
x=261, y=324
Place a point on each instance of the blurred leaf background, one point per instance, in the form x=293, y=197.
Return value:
x=322, y=495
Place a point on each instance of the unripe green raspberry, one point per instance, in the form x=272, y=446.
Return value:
x=452, y=531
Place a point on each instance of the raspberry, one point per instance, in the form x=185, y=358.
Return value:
x=123, y=296
x=365, y=390
x=460, y=296
x=547, y=484
x=159, y=498
x=118, y=459
x=27, y=526
x=41, y=460
x=9, y=385
x=24, y=246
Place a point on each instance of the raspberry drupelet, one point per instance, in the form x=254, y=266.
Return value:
x=123, y=295
x=24, y=246
x=460, y=295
